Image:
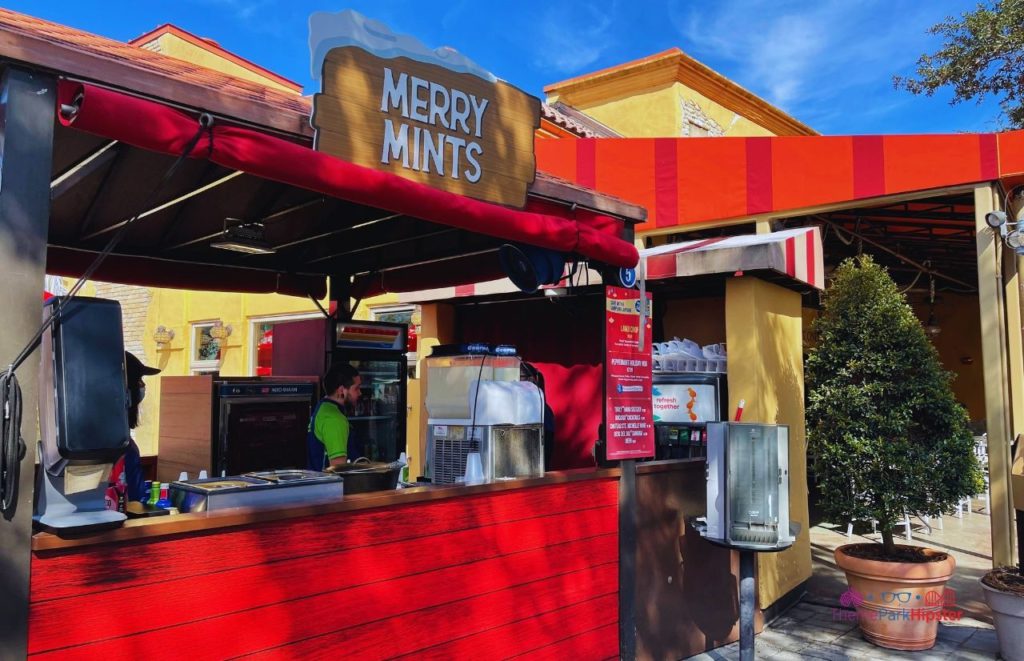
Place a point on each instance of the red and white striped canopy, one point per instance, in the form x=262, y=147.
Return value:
x=795, y=253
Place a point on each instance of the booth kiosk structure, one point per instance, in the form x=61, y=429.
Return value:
x=748, y=503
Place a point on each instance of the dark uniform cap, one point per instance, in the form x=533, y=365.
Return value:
x=134, y=369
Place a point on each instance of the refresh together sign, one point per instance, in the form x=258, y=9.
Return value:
x=388, y=102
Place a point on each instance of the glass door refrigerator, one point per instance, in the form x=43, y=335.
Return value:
x=684, y=402
x=377, y=421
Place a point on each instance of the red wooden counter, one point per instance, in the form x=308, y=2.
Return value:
x=520, y=568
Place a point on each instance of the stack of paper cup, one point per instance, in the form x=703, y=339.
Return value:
x=474, y=468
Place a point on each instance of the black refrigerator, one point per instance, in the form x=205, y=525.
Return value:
x=260, y=423
x=377, y=420
x=684, y=402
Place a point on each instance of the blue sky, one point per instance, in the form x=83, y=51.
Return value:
x=829, y=63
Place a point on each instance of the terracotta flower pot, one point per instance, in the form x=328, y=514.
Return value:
x=898, y=603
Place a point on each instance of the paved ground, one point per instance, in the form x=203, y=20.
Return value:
x=814, y=629
x=809, y=631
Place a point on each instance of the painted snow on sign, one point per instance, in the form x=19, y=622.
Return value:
x=349, y=28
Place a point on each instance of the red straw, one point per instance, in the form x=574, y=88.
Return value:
x=739, y=410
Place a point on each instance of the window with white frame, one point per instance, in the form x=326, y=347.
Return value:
x=261, y=339
x=205, y=350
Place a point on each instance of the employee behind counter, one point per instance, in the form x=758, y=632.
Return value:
x=328, y=436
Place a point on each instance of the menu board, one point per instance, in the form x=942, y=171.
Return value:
x=629, y=428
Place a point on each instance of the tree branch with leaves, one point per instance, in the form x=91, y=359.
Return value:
x=982, y=55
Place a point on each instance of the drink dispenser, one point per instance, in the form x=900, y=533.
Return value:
x=477, y=404
x=748, y=485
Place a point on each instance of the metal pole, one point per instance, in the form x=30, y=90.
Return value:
x=627, y=560
x=747, y=605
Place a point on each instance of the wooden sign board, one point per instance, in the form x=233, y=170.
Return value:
x=453, y=131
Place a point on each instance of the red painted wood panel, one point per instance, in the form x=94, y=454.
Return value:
x=281, y=581
x=245, y=631
x=349, y=579
x=526, y=636
x=90, y=569
x=434, y=626
x=599, y=643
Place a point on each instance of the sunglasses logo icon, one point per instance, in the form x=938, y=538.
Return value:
x=890, y=597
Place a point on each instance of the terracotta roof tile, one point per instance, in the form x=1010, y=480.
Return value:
x=128, y=54
x=577, y=122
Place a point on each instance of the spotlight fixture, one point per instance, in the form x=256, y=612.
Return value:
x=995, y=219
x=243, y=237
x=1011, y=231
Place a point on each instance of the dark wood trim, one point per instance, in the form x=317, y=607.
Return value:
x=547, y=187
x=35, y=51
x=136, y=529
x=26, y=151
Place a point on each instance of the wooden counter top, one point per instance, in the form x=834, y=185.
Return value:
x=199, y=522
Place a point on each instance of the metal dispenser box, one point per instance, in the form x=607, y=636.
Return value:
x=748, y=485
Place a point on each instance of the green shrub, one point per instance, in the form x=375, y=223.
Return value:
x=885, y=434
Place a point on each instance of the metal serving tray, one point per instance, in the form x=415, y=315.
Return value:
x=256, y=490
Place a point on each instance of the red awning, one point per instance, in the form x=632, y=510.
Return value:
x=156, y=127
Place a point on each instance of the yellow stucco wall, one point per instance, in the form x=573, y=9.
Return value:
x=763, y=329
x=174, y=46
x=178, y=310
x=658, y=113
x=959, y=347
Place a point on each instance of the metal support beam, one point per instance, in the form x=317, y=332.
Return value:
x=166, y=205
x=747, y=561
x=994, y=361
x=277, y=215
x=27, y=106
x=83, y=169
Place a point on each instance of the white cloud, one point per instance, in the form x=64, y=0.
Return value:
x=569, y=39
x=802, y=55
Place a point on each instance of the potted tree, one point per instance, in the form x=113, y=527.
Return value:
x=886, y=438
x=1004, y=594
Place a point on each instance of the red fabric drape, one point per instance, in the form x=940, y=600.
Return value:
x=449, y=273
x=156, y=127
x=150, y=273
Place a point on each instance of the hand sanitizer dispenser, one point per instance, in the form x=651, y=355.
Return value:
x=83, y=413
x=748, y=485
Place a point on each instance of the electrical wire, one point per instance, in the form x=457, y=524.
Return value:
x=12, y=445
x=476, y=401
